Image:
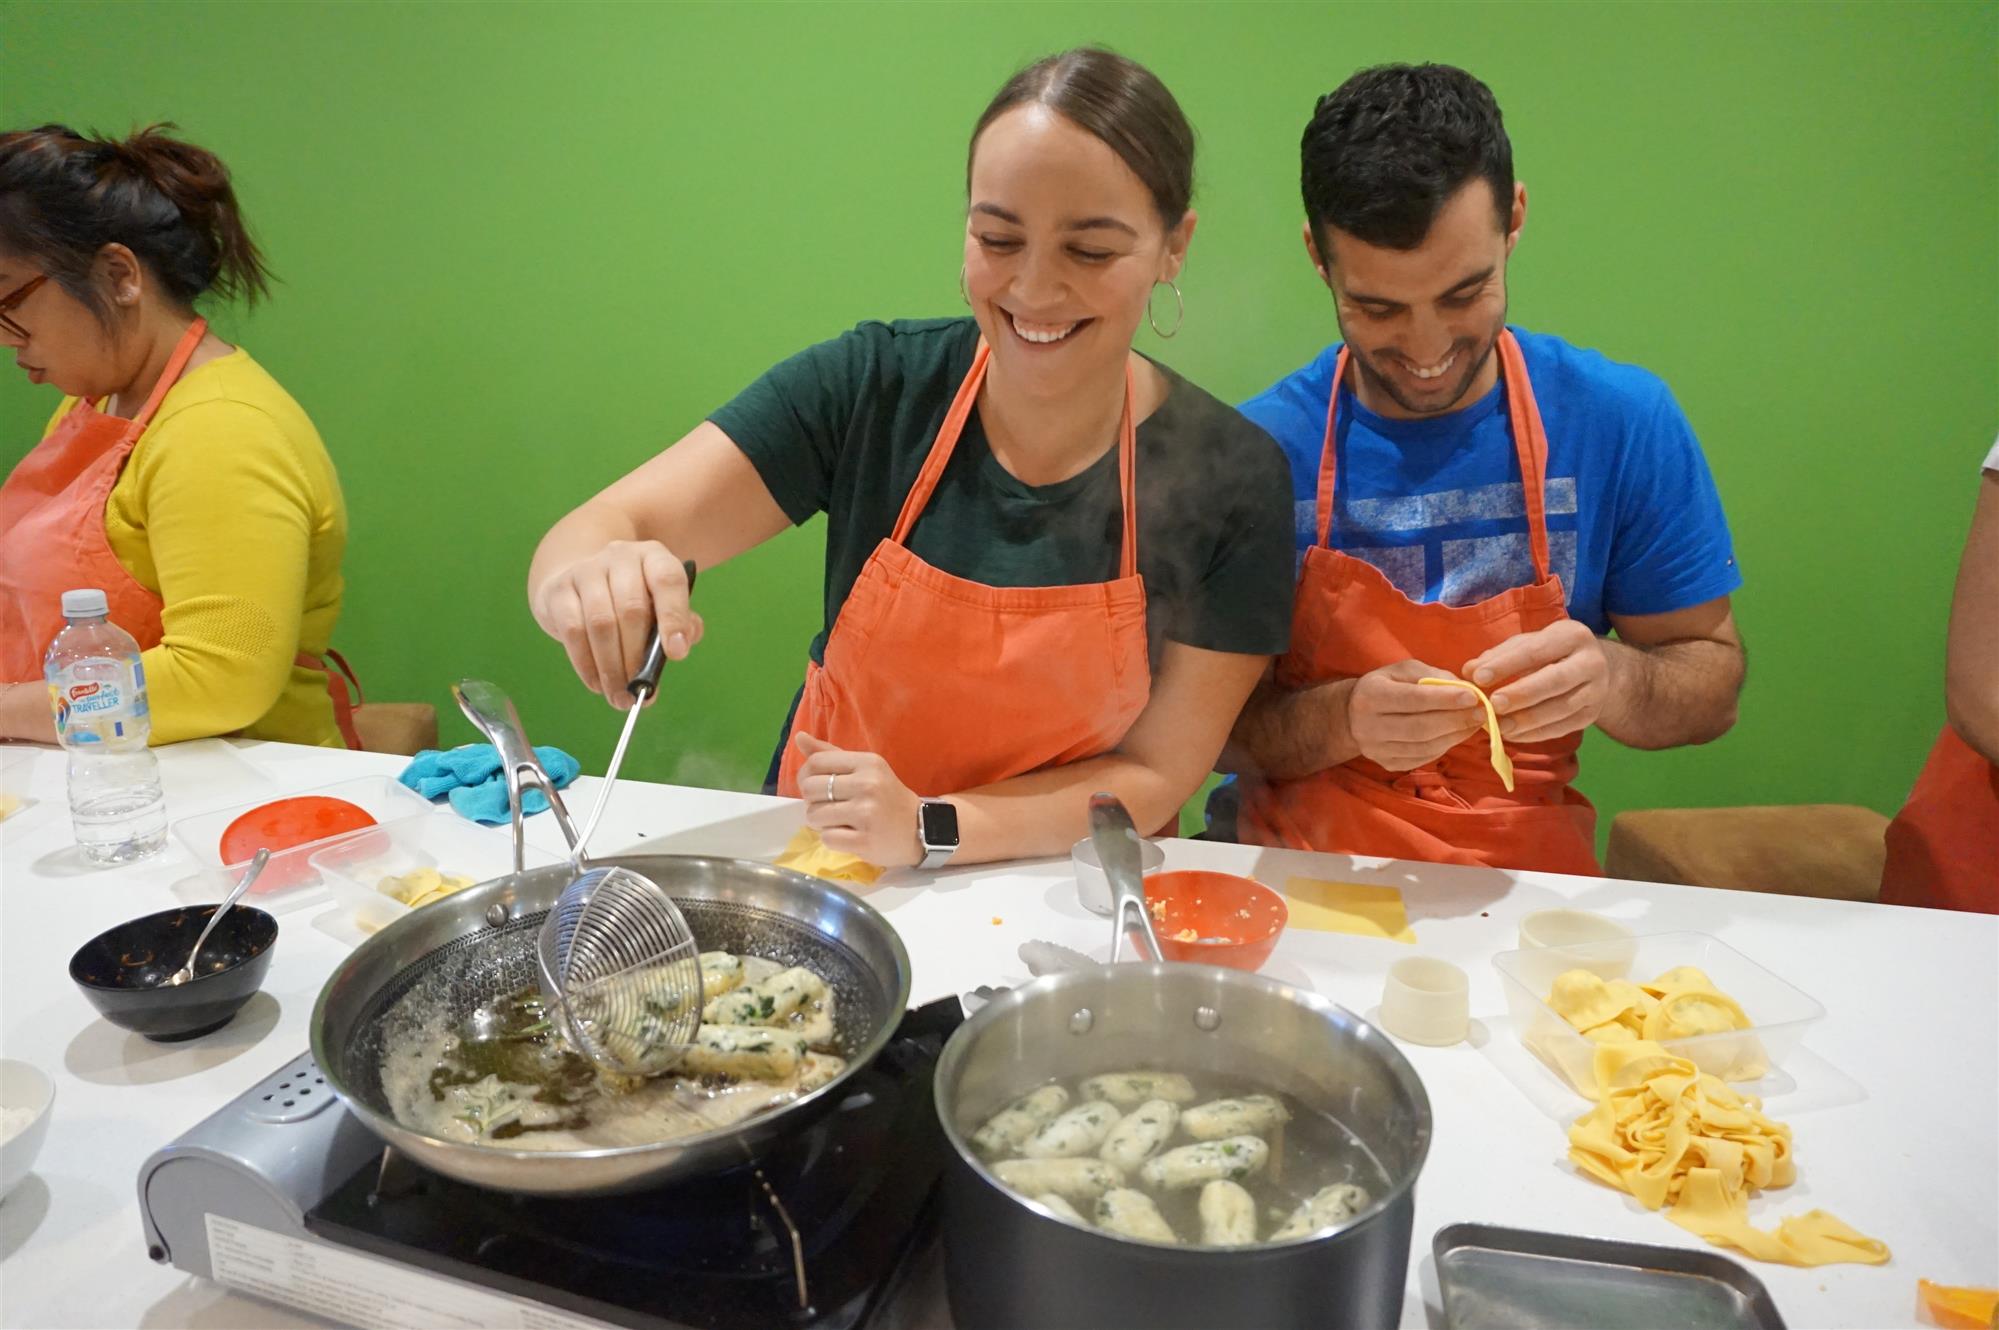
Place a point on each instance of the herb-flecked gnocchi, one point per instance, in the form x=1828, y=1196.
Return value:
x=1155, y=1156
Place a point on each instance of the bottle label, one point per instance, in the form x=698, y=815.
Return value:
x=99, y=708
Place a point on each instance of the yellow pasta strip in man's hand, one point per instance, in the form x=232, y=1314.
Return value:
x=1500, y=761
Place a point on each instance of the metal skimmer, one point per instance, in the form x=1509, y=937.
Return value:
x=618, y=962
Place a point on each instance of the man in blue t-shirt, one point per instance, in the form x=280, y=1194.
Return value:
x=1572, y=560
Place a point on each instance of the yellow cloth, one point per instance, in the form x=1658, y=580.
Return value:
x=1500, y=761
x=1348, y=907
x=1673, y=1136
x=230, y=510
x=808, y=854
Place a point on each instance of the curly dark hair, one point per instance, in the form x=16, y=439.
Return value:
x=1386, y=149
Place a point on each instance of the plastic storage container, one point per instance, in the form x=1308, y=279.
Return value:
x=290, y=880
x=353, y=867
x=1779, y=1013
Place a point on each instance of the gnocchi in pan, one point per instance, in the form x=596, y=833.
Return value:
x=510, y=1079
x=1154, y=1156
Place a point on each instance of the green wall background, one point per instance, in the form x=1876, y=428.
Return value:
x=525, y=246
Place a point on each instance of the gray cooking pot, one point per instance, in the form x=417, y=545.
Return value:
x=1011, y=1264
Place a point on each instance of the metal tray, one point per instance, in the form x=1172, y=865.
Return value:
x=1514, y=1279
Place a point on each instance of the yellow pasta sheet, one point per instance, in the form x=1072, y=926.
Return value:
x=1348, y=907
x=1680, y=1140
x=808, y=854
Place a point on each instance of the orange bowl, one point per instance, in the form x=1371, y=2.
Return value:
x=1215, y=918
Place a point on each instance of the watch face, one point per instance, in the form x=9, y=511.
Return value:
x=940, y=825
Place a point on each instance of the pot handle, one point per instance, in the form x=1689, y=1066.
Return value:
x=1117, y=844
x=492, y=713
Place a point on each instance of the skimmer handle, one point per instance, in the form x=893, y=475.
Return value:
x=492, y=713
x=1116, y=841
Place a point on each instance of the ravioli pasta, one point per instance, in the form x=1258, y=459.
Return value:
x=1680, y=1004
x=1681, y=1140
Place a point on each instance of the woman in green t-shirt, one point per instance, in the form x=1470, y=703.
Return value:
x=1053, y=565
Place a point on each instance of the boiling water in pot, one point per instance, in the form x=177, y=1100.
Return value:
x=1184, y=1159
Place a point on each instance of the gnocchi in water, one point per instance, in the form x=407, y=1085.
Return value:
x=1156, y=1156
x=510, y=1079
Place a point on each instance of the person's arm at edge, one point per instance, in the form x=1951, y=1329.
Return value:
x=1971, y=660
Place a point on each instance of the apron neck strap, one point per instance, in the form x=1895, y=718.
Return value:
x=1530, y=445
x=170, y=374
x=954, y=425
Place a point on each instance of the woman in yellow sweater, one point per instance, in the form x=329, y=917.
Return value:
x=176, y=473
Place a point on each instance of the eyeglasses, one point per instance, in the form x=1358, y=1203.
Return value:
x=12, y=301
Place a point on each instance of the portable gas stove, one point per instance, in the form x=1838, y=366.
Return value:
x=285, y=1195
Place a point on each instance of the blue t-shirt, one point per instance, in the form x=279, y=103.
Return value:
x=1634, y=523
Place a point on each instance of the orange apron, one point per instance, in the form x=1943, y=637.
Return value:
x=52, y=537
x=957, y=684
x=1349, y=619
x=1943, y=847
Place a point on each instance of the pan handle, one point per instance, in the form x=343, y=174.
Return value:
x=1116, y=841
x=492, y=713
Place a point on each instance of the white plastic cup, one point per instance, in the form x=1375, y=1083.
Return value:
x=1426, y=1001
x=1610, y=944
x=1093, y=889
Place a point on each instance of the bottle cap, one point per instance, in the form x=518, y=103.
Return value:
x=88, y=603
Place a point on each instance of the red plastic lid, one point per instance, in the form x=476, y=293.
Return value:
x=284, y=824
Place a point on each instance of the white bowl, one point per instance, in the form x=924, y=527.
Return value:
x=1093, y=889
x=22, y=1087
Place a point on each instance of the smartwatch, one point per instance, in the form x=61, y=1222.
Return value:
x=937, y=832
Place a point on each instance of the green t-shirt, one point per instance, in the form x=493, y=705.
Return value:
x=843, y=428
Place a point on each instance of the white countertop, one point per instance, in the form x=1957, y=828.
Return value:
x=1894, y=1099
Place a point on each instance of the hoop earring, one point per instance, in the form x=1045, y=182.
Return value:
x=1179, y=302
x=963, y=293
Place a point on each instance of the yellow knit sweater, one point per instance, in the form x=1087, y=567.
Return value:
x=229, y=509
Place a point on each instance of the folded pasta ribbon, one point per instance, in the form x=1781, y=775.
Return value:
x=808, y=854
x=1500, y=761
x=1960, y=1308
x=1681, y=1140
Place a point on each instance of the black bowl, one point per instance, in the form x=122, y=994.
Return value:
x=124, y=971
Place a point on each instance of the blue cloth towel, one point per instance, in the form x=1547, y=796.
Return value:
x=470, y=776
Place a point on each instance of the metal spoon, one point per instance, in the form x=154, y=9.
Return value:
x=186, y=972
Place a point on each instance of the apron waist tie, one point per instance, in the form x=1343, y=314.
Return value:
x=337, y=679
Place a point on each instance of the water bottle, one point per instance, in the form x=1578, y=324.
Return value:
x=97, y=685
